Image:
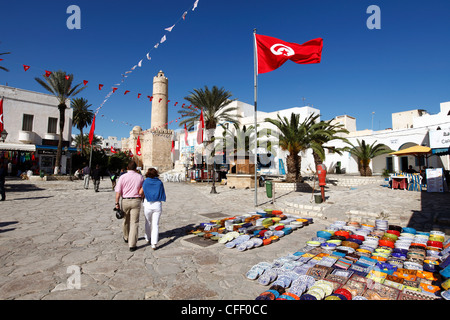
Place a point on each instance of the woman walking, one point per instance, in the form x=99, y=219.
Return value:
x=153, y=191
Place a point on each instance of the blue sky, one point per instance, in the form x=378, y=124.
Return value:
x=404, y=65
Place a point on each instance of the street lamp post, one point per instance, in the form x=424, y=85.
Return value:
x=4, y=134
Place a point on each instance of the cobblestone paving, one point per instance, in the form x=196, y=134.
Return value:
x=49, y=229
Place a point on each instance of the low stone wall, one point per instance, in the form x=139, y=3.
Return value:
x=51, y=178
x=352, y=181
x=304, y=210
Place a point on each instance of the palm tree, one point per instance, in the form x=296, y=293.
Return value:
x=82, y=116
x=60, y=85
x=365, y=153
x=3, y=68
x=84, y=142
x=292, y=140
x=321, y=133
x=216, y=109
x=299, y=136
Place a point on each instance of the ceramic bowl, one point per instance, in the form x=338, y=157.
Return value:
x=436, y=244
x=409, y=230
x=323, y=234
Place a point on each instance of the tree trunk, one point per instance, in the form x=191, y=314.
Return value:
x=293, y=163
x=82, y=142
x=62, y=120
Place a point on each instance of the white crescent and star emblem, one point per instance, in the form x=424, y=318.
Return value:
x=281, y=49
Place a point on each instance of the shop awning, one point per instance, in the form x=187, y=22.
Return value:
x=17, y=147
x=441, y=151
x=413, y=151
x=54, y=148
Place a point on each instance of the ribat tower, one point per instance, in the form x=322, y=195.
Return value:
x=159, y=103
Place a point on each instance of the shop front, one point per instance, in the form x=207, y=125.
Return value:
x=47, y=158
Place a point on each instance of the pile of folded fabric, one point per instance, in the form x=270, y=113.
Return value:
x=353, y=261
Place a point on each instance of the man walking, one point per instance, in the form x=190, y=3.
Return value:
x=86, y=174
x=128, y=187
x=2, y=182
x=96, y=177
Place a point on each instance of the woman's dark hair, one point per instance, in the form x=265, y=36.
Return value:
x=152, y=173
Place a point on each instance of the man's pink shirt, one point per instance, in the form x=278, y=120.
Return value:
x=129, y=184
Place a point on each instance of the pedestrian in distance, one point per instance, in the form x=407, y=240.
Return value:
x=96, y=177
x=127, y=188
x=86, y=175
x=153, y=192
x=3, y=172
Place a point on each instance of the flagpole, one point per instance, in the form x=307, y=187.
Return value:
x=256, y=98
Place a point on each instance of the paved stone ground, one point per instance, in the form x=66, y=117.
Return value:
x=48, y=227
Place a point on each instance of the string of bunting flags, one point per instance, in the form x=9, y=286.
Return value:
x=127, y=73
x=147, y=57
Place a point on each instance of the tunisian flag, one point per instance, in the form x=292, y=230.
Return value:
x=200, y=128
x=273, y=52
x=91, y=133
x=138, y=147
x=113, y=150
x=1, y=116
x=186, y=135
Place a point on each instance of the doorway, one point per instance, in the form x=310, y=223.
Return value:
x=403, y=164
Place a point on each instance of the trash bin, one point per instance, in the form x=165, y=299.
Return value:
x=318, y=198
x=269, y=189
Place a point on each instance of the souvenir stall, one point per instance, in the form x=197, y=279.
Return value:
x=353, y=261
x=19, y=161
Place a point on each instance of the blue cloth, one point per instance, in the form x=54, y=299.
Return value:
x=154, y=190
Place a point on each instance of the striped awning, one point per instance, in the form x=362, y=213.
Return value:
x=17, y=147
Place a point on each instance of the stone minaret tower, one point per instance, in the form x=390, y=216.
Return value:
x=159, y=103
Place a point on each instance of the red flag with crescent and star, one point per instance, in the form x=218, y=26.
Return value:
x=1, y=116
x=138, y=147
x=272, y=53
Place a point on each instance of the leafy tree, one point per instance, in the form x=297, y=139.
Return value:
x=365, y=153
x=3, y=68
x=60, y=85
x=82, y=116
x=215, y=104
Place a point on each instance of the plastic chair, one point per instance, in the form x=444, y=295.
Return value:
x=415, y=183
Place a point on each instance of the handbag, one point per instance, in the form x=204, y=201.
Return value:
x=119, y=213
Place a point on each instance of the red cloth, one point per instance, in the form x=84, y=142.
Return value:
x=200, y=128
x=186, y=135
x=1, y=116
x=91, y=133
x=138, y=147
x=273, y=52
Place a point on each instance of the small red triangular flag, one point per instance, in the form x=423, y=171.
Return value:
x=26, y=67
x=114, y=90
x=139, y=95
x=47, y=73
x=100, y=86
x=67, y=77
x=126, y=92
x=85, y=82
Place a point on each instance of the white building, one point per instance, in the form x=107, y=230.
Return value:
x=246, y=111
x=415, y=127
x=111, y=142
x=32, y=122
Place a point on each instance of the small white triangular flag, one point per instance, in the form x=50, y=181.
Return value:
x=163, y=39
x=169, y=28
x=148, y=56
x=195, y=5
x=140, y=64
